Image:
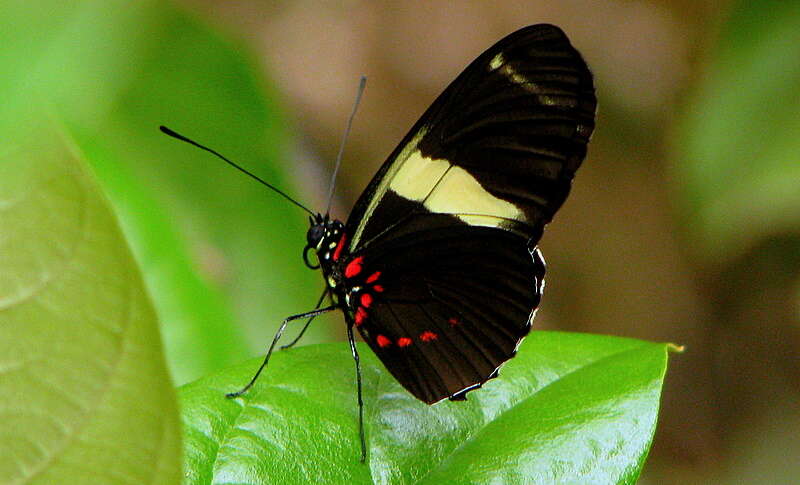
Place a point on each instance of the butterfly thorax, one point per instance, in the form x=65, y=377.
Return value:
x=327, y=238
x=351, y=284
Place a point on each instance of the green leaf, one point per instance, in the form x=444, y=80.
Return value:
x=569, y=408
x=738, y=149
x=84, y=392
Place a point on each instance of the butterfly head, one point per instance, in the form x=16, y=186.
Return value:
x=324, y=236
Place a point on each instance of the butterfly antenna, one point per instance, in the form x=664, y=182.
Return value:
x=361, y=85
x=180, y=137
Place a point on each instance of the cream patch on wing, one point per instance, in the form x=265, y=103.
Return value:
x=447, y=189
x=394, y=168
x=461, y=194
x=442, y=187
x=418, y=176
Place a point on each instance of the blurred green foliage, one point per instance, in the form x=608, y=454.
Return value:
x=219, y=253
x=738, y=155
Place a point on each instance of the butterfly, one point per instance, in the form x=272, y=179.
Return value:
x=437, y=266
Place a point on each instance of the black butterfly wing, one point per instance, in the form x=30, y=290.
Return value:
x=447, y=229
x=449, y=303
x=504, y=139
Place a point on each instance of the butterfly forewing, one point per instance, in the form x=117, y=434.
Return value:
x=503, y=140
x=443, y=241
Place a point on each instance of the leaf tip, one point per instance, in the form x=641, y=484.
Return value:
x=675, y=348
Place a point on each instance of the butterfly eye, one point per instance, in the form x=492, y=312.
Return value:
x=314, y=235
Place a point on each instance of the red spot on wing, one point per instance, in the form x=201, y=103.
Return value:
x=453, y=322
x=404, y=341
x=383, y=341
x=428, y=336
x=338, y=251
x=378, y=288
x=361, y=315
x=374, y=277
x=366, y=300
x=353, y=267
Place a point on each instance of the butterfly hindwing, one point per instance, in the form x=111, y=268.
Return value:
x=450, y=302
x=503, y=140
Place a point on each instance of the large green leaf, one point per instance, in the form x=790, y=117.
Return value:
x=569, y=408
x=738, y=144
x=84, y=392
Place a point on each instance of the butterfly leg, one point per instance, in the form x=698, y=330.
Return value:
x=354, y=351
x=303, y=331
x=277, y=337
